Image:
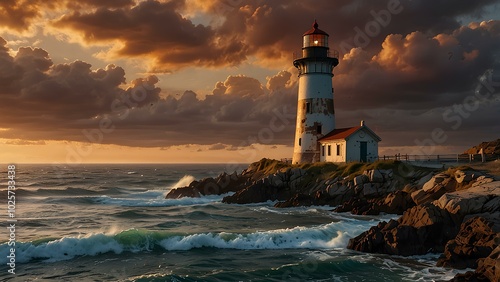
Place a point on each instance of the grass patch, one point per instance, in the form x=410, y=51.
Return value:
x=268, y=166
x=325, y=170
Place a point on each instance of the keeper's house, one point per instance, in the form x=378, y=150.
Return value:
x=349, y=144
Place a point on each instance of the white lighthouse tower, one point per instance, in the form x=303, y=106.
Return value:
x=315, y=111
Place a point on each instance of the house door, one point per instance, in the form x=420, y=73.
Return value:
x=363, y=151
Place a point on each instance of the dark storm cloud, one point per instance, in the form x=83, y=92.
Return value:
x=155, y=29
x=268, y=30
x=46, y=101
x=18, y=15
x=407, y=77
x=416, y=71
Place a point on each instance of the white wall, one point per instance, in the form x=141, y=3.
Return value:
x=350, y=148
x=353, y=147
x=316, y=89
x=333, y=157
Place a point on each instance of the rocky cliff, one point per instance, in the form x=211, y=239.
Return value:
x=491, y=147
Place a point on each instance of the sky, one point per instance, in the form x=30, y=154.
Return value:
x=212, y=81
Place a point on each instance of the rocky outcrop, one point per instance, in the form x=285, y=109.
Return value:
x=394, y=203
x=492, y=147
x=280, y=186
x=420, y=230
x=371, y=193
x=222, y=184
x=488, y=269
x=454, y=212
x=477, y=238
x=301, y=200
x=433, y=227
x=446, y=182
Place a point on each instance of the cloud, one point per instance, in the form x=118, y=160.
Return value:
x=155, y=30
x=415, y=71
x=412, y=72
x=73, y=101
x=218, y=146
x=177, y=34
x=24, y=142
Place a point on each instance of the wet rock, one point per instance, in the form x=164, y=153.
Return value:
x=421, y=229
x=488, y=269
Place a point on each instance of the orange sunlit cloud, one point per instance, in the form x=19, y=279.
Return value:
x=232, y=61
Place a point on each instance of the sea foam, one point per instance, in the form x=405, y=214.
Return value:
x=327, y=236
x=184, y=181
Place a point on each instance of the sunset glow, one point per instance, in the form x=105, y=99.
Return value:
x=212, y=81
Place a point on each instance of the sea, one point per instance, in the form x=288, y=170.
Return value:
x=111, y=222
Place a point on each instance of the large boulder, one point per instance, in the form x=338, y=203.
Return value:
x=260, y=191
x=488, y=269
x=464, y=177
x=477, y=238
x=478, y=199
x=393, y=203
x=437, y=186
x=421, y=229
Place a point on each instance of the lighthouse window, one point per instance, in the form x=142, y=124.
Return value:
x=312, y=40
x=308, y=107
x=318, y=129
x=300, y=141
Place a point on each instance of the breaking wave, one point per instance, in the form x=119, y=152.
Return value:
x=328, y=236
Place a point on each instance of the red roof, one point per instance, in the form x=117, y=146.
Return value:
x=340, y=133
x=315, y=30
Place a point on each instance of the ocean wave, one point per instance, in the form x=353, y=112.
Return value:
x=158, y=201
x=184, y=181
x=328, y=236
x=67, y=191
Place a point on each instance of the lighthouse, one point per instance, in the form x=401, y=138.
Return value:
x=315, y=110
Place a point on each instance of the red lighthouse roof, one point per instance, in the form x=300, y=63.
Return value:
x=315, y=30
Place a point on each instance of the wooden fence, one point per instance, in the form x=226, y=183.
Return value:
x=455, y=158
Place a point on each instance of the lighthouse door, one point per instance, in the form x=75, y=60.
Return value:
x=363, y=150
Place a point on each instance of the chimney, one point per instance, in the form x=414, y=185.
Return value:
x=362, y=123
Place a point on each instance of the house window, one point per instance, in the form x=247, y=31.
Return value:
x=329, y=150
x=323, y=150
x=300, y=141
x=308, y=108
x=318, y=129
x=338, y=149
